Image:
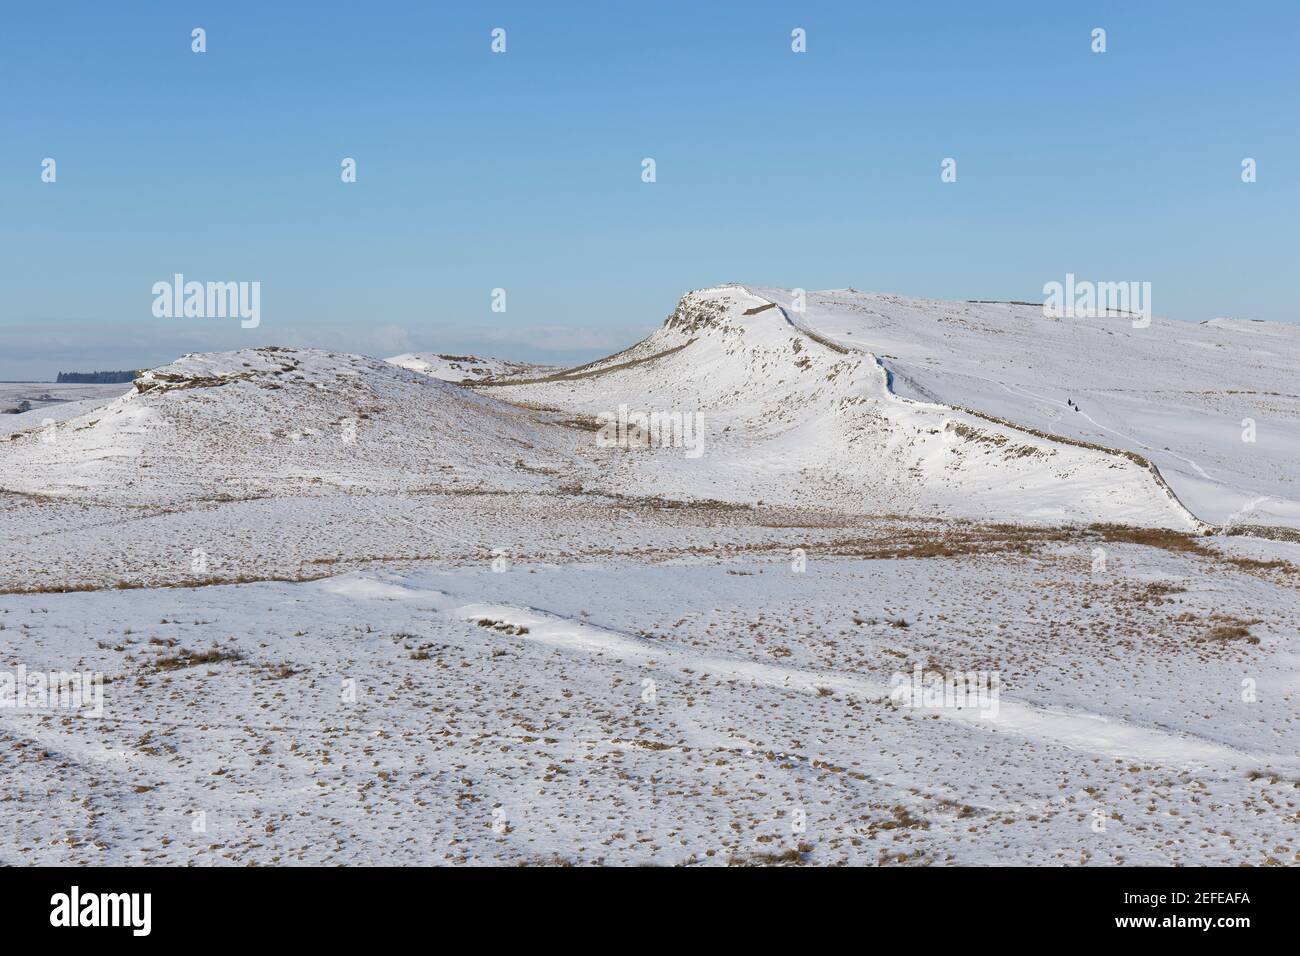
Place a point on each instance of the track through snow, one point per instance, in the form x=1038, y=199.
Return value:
x=400, y=715
x=1093, y=733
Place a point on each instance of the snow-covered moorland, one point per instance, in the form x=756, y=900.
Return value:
x=347, y=610
x=464, y=369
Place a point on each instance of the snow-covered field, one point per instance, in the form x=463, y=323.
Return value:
x=347, y=610
x=46, y=401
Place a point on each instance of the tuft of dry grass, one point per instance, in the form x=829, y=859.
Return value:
x=794, y=856
x=502, y=626
x=188, y=658
x=1222, y=633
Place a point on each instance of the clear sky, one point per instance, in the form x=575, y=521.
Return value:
x=523, y=170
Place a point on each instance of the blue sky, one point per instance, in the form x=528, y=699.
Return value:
x=522, y=170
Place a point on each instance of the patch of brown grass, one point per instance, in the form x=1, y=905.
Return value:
x=1179, y=541
x=794, y=856
x=187, y=658
x=1222, y=633
x=954, y=540
x=501, y=626
x=145, y=585
x=1254, y=564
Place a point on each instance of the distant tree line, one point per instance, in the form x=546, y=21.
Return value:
x=96, y=378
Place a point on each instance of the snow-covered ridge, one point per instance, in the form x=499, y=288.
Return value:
x=277, y=421
x=860, y=402
x=1214, y=406
x=794, y=416
x=464, y=368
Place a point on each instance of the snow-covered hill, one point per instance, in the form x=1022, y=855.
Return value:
x=1182, y=395
x=273, y=422
x=26, y=405
x=860, y=404
x=794, y=417
x=464, y=368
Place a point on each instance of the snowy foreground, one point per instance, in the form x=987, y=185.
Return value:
x=349, y=611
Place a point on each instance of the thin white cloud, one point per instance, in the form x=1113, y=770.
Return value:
x=38, y=351
x=564, y=338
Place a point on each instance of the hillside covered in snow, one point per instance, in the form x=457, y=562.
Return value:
x=463, y=369
x=859, y=403
x=877, y=403
x=1215, y=405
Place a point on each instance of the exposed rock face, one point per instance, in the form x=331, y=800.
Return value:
x=694, y=314
x=180, y=376
x=165, y=381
